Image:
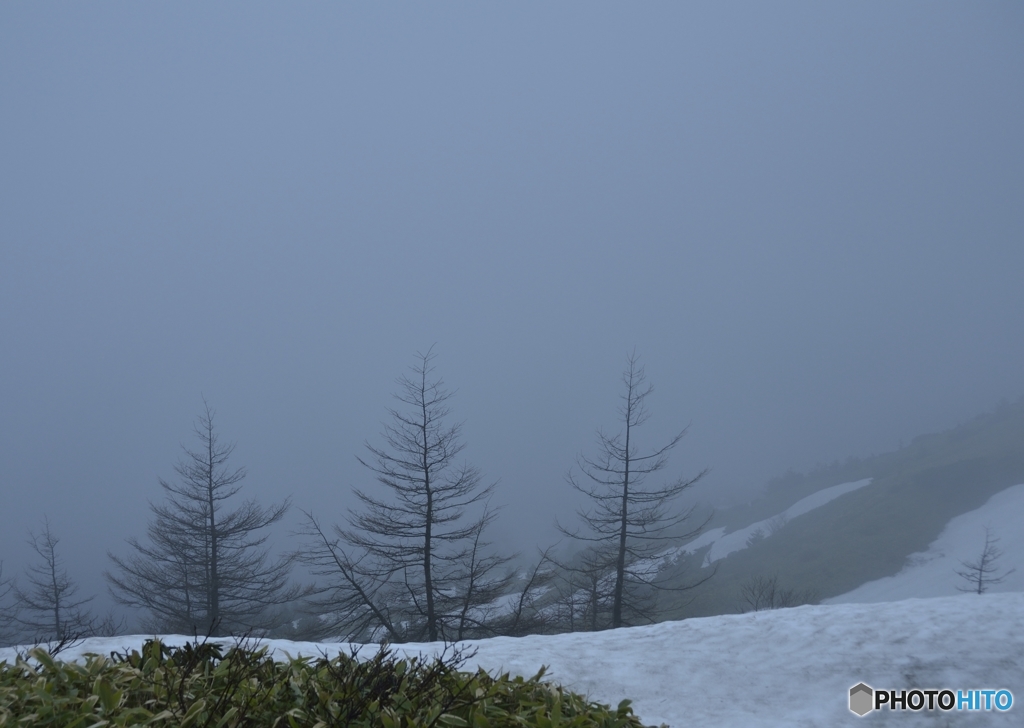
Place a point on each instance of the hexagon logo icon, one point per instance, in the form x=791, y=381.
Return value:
x=861, y=699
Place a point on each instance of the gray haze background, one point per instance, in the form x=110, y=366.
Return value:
x=807, y=218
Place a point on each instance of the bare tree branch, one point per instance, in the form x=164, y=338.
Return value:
x=982, y=573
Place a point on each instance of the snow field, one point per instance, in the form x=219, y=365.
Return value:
x=791, y=667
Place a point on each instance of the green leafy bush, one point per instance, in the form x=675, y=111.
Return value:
x=205, y=685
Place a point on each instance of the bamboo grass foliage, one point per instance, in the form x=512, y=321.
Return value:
x=205, y=685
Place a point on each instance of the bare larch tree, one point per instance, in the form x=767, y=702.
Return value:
x=412, y=562
x=8, y=608
x=982, y=573
x=205, y=568
x=625, y=517
x=49, y=608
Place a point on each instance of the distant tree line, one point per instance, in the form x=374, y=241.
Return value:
x=411, y=562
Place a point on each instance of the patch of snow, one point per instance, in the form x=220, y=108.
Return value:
x=723, y=544
x=705, y=539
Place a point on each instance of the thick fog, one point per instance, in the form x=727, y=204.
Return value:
x=806, y=220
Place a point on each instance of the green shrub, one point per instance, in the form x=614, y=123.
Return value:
x=203, y=686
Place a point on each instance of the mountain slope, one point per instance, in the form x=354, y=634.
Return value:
x=868, y=533
x=933, y=572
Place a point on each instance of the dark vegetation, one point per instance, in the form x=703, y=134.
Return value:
x=763, y=593
x=205, y=684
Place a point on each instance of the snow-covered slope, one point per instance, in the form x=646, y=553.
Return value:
x=932, y=573
x=791, y=667
x=722, y=544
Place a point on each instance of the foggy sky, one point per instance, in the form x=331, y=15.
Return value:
x=807, y=219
